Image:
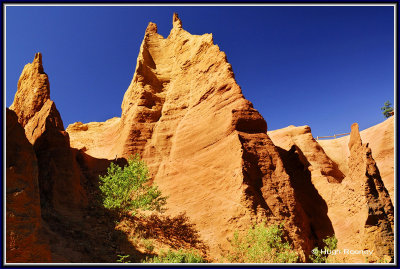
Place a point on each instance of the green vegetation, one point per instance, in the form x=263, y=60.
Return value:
x=123, y=259
x=321, y=256
x=148, y=244
x=384, y=260
x=125, y=189
x=261, y=244
x=179, y=256
x=387, y=109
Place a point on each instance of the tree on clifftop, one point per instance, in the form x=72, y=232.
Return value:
x=387, y=109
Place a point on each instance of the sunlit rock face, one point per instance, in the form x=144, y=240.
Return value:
x=32, y=92
x=59, y=176
x=206, y=146
x=352, y=191
x=377, y=232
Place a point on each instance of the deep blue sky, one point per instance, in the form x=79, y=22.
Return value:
x=325, y=67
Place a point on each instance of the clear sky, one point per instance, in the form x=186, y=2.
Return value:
x=325, y=67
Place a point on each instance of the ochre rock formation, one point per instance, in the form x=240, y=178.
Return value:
x=321, y=166
x=207, y=149
x=94, y=138
x=66, y=179
x=60, y=179
x=381, y=141
x=206, y=146
x=25, y=241
x=33, y=90
x=346, y=194
x=377, y=233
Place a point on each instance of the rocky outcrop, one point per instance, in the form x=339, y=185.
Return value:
x=33, y=91
x=66, y=181
x=206, y=146
x=380, y=139
x=94, y=138
x=315, y=178
x=377, y=232
x=25, y=240
x=321, y=166
x=315, y=207
x=208, y=150
x=60, y=179
x=343, y=197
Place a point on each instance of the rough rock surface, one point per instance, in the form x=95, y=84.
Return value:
x=381, y=141
x=60, y=179
x=321, y=166
x=25, y=241
x=346, y=198
x=377, y=233
x=76, y=225
x=94, y=138
x=33, y=91
x=205, y=144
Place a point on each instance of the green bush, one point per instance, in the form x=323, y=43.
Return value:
x=125, y=189
x=261, y=244
x=321, y=256
x=387, y=109
x=179, y=256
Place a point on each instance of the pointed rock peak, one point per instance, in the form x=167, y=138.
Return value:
x=38, y=58
x=355, y=138
x=37, y=62
x=151, y=28
x=33, y=90
x=176, y=22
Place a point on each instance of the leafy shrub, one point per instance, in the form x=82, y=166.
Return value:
x=321, y=256
x=179, y=256
x=125, y=189
x=261, y=244
x=387, y=109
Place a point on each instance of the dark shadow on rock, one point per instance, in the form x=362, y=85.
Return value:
x=313, y=204
x=177, y=232
x=93, y=237
x=251, y=175
x=333, y=175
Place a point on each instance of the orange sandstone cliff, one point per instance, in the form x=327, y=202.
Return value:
x=358, y=203
x=59, y=175
x=51, y=187
x=205, y=144
x=376, y=207
x=25, y=239
x=207, y=149
x=381, y=141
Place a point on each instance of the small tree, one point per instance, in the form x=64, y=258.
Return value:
x=127, y=189
x=261, y=244
x=387, y=109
